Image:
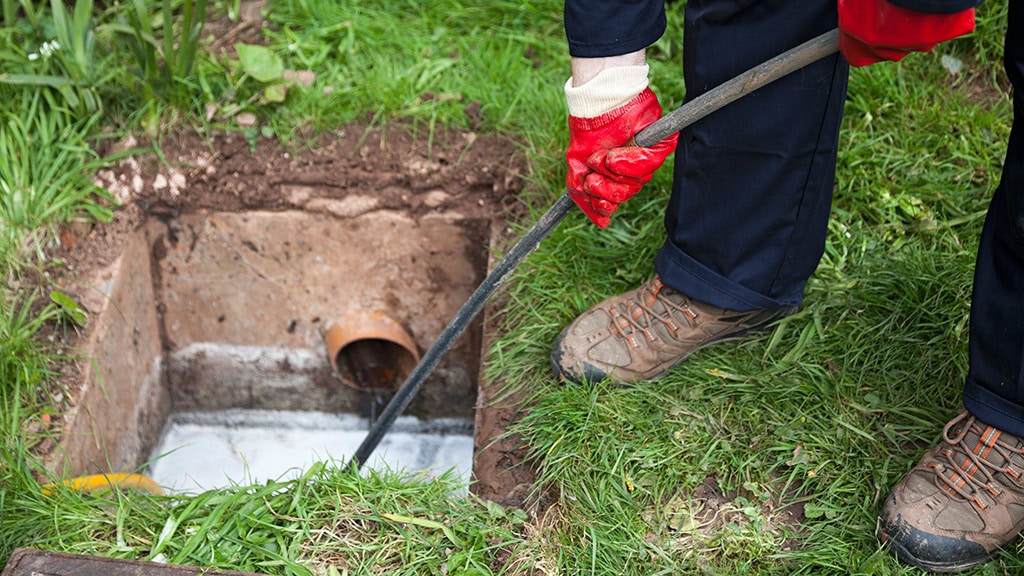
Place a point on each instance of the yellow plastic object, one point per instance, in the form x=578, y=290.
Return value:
x=98, y=481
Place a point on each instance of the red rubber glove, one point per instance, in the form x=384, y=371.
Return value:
x=602, y=172
x=875, y=30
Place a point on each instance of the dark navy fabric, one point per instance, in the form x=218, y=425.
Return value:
x=937, y=6
x=597, y=28
x=753, y=183
x=994, y=391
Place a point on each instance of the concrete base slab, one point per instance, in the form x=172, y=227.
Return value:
x=203, y=450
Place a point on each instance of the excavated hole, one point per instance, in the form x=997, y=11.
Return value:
x=353, y=176
x=211, y=357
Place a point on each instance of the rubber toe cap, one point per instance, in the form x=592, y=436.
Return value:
x=932, y=552
x=572, y=373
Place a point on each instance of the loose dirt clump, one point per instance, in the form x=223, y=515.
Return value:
x=706, y=522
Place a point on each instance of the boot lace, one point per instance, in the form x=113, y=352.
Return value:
x=959, y=464
x=632, y=316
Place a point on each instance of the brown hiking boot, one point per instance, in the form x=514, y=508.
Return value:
x=642, y=333
x=962, y=502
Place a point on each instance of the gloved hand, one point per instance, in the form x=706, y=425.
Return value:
x=875, y=30
x=602, y=172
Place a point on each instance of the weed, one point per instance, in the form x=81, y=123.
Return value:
x=69, y=313
x=264, y=66
x=75, y=50
x=164, y=44
x=65, y=59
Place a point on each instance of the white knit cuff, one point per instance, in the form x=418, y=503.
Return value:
x=611, y=88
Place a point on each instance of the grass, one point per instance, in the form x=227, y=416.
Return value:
x=819, y=417
x=328, y=521
x=46, y=161
x=790, y=417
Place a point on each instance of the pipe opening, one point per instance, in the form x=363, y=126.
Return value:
x=374, y=364
x=370, y=350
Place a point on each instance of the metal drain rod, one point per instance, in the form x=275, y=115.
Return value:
x=712, y=100
x=458, y=325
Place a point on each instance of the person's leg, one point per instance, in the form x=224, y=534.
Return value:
x=753, y=182
x=747, y=219
x=965, y=499
x=994, y=389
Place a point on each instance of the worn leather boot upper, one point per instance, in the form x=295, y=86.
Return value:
x=962, y=502
x=642, y=333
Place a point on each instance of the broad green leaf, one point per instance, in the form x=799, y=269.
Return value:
x=812, y=510
x=68, y=307
x=260, y=62
x=275, y=92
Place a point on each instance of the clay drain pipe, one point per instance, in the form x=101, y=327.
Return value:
x=758, y=76
x=370, y=351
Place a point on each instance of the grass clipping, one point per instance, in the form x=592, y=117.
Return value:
x=388, y=522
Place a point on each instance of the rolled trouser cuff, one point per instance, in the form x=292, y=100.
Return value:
x=685, y=274
x=993, y=409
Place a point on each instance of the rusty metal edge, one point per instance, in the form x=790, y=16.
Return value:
x=30, y=561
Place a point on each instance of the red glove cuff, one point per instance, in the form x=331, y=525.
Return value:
x=577, y=124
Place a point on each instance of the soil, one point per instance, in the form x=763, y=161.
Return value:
x=348, y=172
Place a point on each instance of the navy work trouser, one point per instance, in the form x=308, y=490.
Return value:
x=994, y=390
x=749, y=211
